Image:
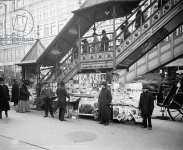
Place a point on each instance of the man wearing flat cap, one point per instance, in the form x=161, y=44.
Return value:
x=146, y=106
x=104, y=101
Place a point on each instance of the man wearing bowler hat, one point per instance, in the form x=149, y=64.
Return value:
x=146, y=106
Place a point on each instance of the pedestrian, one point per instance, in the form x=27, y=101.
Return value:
x=95, y=43
x=139, y=19
x=125, y=32
x=104, y=101
x=104, y=41
x=46, y=95
x=62, y=94
x=4, y=98
x=85, y=46
x=23, y=103
x=146, y=106
x=15, y=92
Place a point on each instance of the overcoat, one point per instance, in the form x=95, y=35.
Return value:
x=4, y=98
x=146, y=104
x=15, y=93
x=62, y=94
x=104, y=101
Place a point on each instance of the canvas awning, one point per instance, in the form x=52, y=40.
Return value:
x=91, y=11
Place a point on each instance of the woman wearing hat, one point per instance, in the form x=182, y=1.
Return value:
x=23, y=104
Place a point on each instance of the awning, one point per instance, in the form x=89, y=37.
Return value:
x=33, y=54
x=90, y=12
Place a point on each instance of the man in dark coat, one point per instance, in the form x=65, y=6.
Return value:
x=4, y=98
x=104, y=101
x=104, y=41
x=15, y=92
x=146, y=106
x=62, y=94
x=139, y=18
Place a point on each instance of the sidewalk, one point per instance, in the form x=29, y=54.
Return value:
x=31, y=131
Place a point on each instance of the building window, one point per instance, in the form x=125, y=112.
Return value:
x=19, y=3
x=46, y=30
x=53, y=29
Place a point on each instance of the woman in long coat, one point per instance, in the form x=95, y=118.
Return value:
x=23, y=104
x=4, y=98
x=104, y=101
x=15, y=92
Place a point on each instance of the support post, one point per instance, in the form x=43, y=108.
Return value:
x=114, y=38
x=79, y=42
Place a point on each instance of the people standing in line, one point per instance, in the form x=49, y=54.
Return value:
x=104, y=41
x=95, y=43
x=23, y=103
x=47, y=95
x=85, y=46
x=62, y=94
x=15, y=92
x=139, y=19
x=4, y=98
x=104, y=101
x=146, y=106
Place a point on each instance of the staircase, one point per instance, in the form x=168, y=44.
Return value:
x=158, y=24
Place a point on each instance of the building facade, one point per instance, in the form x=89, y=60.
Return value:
x=23, y=21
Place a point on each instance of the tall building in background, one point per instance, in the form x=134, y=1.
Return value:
x=23, y=21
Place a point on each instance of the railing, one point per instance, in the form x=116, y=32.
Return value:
x=151, y=15
x=94, y=52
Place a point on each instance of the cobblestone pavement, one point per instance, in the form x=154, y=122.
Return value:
x=31, y=131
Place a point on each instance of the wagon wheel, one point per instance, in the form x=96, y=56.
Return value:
x=175, y=114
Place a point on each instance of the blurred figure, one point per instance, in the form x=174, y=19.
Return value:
x=104, y=101
x=15, y=92
x=139, y=19
x=161, y=3
x=4, y=98
x=146, y=106
x=47, y=94
x=125, y=32
x=95, y=43
x=85, y=46
x=62, y=94
x=23, y=103
x=104, y=41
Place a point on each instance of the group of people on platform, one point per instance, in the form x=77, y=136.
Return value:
x=96, y=45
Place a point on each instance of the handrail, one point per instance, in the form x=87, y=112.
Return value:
x=133, y=21
x=135, y=10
